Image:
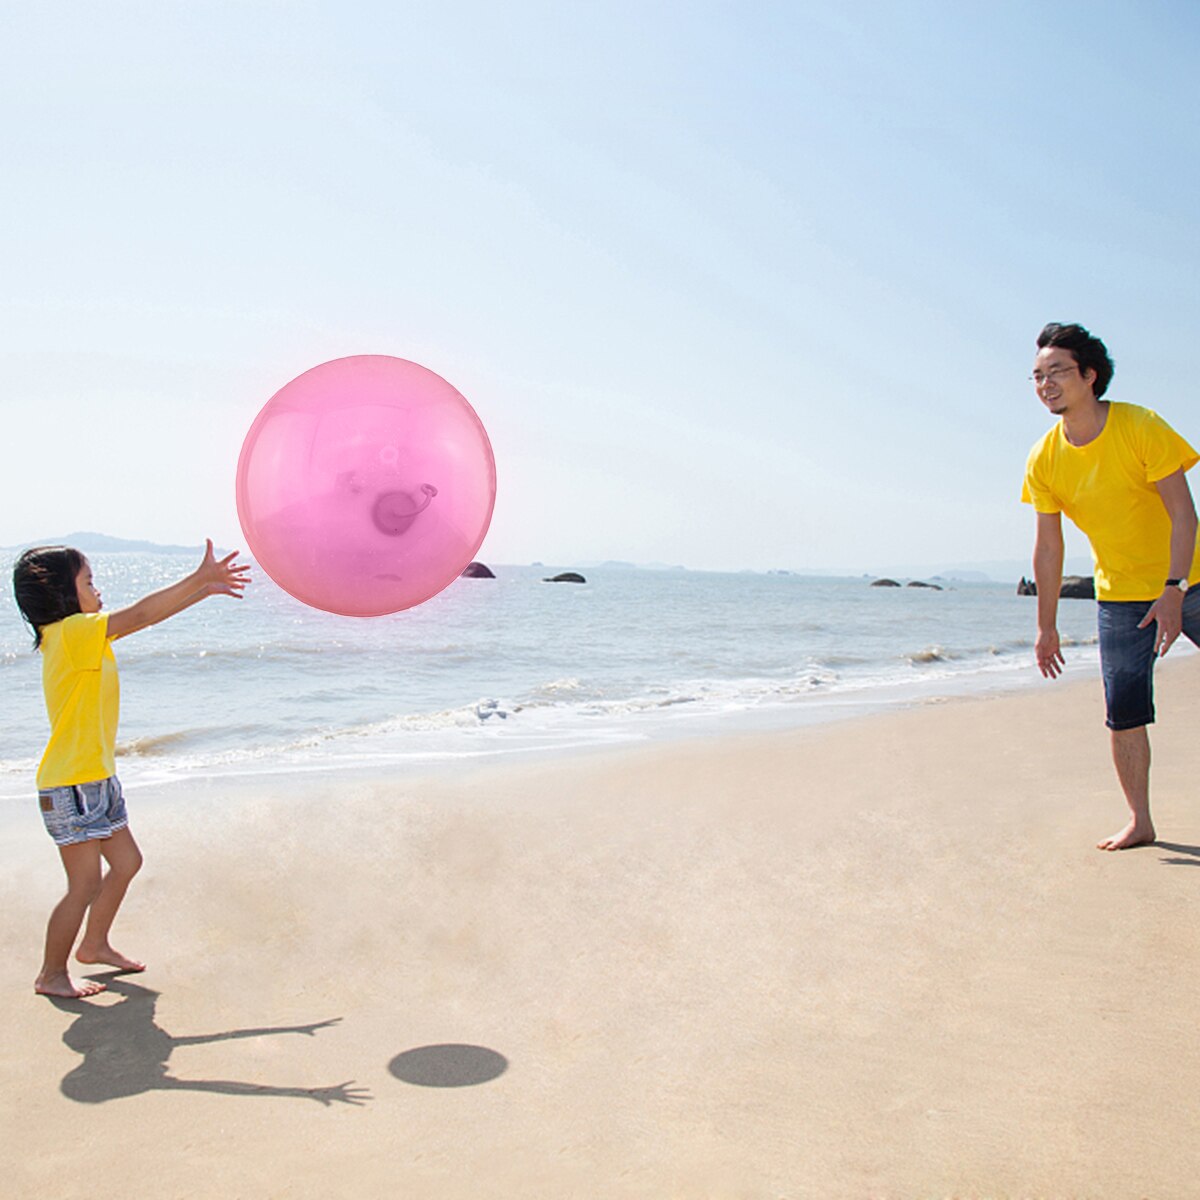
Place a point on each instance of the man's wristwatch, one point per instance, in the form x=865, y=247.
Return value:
x=1181, y=584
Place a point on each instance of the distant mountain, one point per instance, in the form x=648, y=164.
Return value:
x=617, y=564
x=1010, y=571
x=103, y=543
x=964, y=576
x=992, y=571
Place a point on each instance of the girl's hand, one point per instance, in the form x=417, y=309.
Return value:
x=213, y=577
x=222, y=577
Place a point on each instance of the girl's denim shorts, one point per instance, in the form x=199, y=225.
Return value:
x=83, y=811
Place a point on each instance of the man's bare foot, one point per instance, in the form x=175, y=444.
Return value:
x=109, y=958
x=1134, y=834
x=59, y=983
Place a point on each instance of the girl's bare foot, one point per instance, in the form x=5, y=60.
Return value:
x=59, y=983
x=109, y=957
x=1134, y=834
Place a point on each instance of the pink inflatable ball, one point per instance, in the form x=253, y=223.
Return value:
x=365, y=485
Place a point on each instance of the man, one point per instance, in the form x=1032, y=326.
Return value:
x=1118, y=471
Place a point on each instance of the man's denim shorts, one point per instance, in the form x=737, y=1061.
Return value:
x=1127, y=657
x=84, y=811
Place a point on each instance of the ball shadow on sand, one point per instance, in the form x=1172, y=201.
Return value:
x=449, y=1065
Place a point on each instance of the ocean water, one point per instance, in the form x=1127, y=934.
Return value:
x=516, y=665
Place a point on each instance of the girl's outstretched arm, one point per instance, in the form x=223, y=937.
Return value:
x=213, y=577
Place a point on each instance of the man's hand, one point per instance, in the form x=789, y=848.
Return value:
x=1049, y=655
x=1167, y=610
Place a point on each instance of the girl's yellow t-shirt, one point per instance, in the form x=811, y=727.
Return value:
x=1107, y=489
x=79, y=678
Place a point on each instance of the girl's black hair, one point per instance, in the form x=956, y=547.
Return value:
x=44, y=585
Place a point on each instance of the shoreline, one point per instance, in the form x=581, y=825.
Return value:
x=554, y=735
x=496, y=668
x=873, y=958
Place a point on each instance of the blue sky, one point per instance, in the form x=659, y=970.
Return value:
x=730, y=285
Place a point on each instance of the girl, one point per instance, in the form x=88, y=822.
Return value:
x=78, y=791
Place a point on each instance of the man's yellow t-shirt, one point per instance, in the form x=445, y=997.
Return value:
x=79, y=678
x=1107, y=489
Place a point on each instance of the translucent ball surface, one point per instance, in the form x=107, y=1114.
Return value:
x=365, y=485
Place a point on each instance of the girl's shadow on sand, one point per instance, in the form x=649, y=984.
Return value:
x=125, y=1053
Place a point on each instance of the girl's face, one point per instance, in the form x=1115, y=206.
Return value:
x=89, y=598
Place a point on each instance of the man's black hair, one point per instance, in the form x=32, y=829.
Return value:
x=1088, y=352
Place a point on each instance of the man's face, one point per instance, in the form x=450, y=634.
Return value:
x=1061, y=386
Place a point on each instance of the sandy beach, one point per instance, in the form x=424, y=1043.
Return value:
x=873, y=959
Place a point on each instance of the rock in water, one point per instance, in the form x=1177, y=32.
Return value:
x=1074, y=587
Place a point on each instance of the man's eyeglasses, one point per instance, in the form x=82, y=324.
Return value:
x=1051, y=376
